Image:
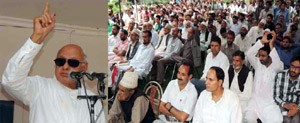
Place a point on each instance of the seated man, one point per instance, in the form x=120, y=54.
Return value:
x=173, y=46
x=266, y=62
x=217, y=104
x=50, y=100
x=130, y=105
x=180, y=96
x=113, y=39
x=141, y=62
x=120, y=47
x=286, y=92
x=240, y=79
x=229, y=47
x=189, y=51
x=216, y=57
x=285, y=49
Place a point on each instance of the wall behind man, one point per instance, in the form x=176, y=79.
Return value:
x=14, y=34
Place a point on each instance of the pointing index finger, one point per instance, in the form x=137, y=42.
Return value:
x=46, y=9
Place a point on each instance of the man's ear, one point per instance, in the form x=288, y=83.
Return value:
x=85, y=66
x=190, y=76
x=220, y=82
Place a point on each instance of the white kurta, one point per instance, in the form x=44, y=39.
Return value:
x=112, y=41
x=49, y=101
x=183, y=100
x=142, y=60
x=226, y=110
x=254, y=33
x=174, y=46
x=262, y=103
x=244, y=44
x=220, y=60
x=244, y=96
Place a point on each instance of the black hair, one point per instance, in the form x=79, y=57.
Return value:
x=270, y=15
x=294, y=28
x=216, y=39
x=124, y=31
x=288, y=38
x=295, y=58
x=266, y=48
x=219, y=72
x=117, y=26
x=148, y=32
x=189, y=63
x=223, y=30
x=240, y=54
x=231, y=33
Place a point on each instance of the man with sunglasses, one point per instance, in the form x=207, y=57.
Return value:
x=51, y=100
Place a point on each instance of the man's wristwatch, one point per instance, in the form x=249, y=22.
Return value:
x=170, y=108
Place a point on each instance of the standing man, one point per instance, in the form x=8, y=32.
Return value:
x=131, y=105
x=287, y=90
x=217, y=104
x=50, y=100
x=266, y=62
x=180, y=96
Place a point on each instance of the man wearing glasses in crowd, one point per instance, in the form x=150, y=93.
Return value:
x=51, y=100
x=287, y=91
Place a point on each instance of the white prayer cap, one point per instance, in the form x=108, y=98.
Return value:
x=168, y=26
x=136, y=31
x=129, y=80
x=245, y=26
x=267, y=30
x=263, y=21
x=204, y=23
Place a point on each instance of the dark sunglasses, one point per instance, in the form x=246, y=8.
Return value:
x=72, y=62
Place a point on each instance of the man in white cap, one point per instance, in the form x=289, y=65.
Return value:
x=243, y=40
x=257, y=31
x=130, y=105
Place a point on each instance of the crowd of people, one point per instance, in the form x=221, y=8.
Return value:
x=250, y=54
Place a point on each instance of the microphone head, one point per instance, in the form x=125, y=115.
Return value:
x=99, y=76
x=75, y=75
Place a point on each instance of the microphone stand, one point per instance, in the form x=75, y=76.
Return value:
x=93, y=98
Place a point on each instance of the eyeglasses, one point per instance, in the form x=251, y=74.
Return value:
x=71, y=62
x=295, y=67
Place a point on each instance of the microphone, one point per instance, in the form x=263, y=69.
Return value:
x=99, y=76
x=75, y=75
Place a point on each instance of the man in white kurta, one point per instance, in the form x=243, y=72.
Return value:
x=141, y=62
x=262, y=104
x=240, y=79
x=50, y=100
x=216, y=104
x=180, y=97
x=215, y=58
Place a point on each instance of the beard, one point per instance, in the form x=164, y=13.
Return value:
x=123, y=39
x=265, y=62
x=293, y=74
x=243, y=34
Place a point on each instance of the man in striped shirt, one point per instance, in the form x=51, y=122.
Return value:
x=287, y=92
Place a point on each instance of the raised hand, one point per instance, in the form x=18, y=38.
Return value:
x=43, y=25
x=264, y=38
